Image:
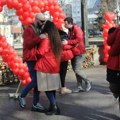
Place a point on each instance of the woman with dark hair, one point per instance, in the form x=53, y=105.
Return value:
x=48, y=65
x=65, y=57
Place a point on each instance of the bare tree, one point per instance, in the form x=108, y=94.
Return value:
x=108, y=5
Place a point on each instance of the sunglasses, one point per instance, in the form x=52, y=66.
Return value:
x=42, y=21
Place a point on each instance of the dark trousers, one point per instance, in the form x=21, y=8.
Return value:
x=32, y=84
x=63, y=71
x=115, y=89
x=51, y=96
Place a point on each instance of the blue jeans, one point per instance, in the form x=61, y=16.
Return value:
x=77, y=68
x=51, y=96
x=32, y=84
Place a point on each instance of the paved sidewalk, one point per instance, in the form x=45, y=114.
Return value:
x=97, y=104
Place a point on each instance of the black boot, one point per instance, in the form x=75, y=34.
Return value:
x=53, y=110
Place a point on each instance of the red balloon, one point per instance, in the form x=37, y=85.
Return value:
x=0, y=9
x=46, y=8
x=28, y=80
x=50, y=2
x=26, y=14
x=16, y=71
x=3, y=2
x=24, y=82
x=35, y=9
x=51, y=8
x=27, y=7
x=15, y=65
x=55, y=3
x=34, y=3
x=109, y=16
x=46, y=2
x=19, y=6
x=21, y=72
x=41, y=4
x=1, y=50
x=32, y=15
x=29, y=20
x=21, y=18
x=9, y=5
x=56, y=14
x=23, y=1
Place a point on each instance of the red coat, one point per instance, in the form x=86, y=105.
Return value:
x=67, y=53
x=113, y=40
x=31, y=40
x=77, y=40
x=47, y=63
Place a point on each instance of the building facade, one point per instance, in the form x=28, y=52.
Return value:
x=5, y=29
x=72, y=8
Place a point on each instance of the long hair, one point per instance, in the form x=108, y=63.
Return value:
x=54, y=37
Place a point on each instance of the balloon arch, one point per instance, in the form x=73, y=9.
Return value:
x=26, y=11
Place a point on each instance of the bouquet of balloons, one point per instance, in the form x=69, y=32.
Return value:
x=109, y=16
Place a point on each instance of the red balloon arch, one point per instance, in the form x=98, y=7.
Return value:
x=109, y=17
x=26, y=11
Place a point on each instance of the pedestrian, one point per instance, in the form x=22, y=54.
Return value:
x=31, y=39
x=66, y=56
x=76, y=39
x=48, y=66
x=113, y=63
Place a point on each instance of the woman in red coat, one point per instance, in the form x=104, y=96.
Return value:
x=113, y=63
x=48, y=65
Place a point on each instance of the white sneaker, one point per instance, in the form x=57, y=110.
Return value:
x=78, y=89
x=65, y=90
x=88, y=86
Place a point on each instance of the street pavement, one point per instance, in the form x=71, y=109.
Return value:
x=97, y=104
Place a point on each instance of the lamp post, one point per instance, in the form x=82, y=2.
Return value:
x=84, y=21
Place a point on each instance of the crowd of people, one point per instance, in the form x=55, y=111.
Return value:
x=46, y=51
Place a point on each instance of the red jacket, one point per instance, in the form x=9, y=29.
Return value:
x=47, y=63
x=77, y=40
x=113, y=40
x=67, y=53
x=31, y=40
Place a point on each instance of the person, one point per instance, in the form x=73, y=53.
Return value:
x=113, y=63
x=66, y=56
x=31, y=36
x=48, y=65
x=76, y=40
